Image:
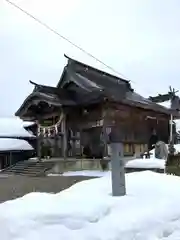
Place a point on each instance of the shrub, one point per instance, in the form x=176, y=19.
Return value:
x=173, y=164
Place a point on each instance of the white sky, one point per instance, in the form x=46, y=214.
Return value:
x=140, y=39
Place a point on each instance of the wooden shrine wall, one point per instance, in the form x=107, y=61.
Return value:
x=134, y=124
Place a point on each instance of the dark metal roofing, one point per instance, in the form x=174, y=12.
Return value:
x=99, y=77
x=139, y=101
x=105, y=85
x=47, y=94
x=81, y=84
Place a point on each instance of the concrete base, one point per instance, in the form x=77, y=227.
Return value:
x=72, y=164
x=76, y=165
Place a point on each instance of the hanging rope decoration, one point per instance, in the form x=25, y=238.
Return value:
x=46, y=131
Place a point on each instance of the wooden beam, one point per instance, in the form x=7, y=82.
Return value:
x=49, y=115
x=64, y=136
x=104, y=133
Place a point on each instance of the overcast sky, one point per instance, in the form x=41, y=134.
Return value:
x=138, y=38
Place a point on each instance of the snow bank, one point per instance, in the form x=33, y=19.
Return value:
x=13, y=127
x=148, y=163
x=152, y=162
x=87, y=211
x=14, y=144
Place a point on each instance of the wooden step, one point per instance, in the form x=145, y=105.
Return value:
x=29, y=168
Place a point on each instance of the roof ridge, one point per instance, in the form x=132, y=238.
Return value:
x=97, y=70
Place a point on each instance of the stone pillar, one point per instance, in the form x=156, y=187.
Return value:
x=117, y=169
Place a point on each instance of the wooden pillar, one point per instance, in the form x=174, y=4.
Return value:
x=39, y=142
x=56, y=147
x=73, y=148
x=105, y=134
x=10, y=159
x=81, y=142
x=64, y=136
x=105, y=152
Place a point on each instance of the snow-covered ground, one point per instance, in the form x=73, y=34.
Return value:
x=87, y=211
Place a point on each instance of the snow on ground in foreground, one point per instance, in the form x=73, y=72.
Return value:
x=87, y=211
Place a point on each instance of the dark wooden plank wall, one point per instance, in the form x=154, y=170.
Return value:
x=135, y=125
x=131, y=123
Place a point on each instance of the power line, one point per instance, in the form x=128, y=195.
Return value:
x=67, y=40
x=63, y=37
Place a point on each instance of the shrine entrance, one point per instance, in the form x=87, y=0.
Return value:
x=52, y=137
x=93, y=146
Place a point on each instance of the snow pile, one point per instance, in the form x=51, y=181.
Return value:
x=7, y=144
x=147, y=163
x=87, y=211
x=13, y=127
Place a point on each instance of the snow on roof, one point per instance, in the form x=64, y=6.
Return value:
x=28, y=124
x=13, y=127
x=166, y=104
x=7, y=144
